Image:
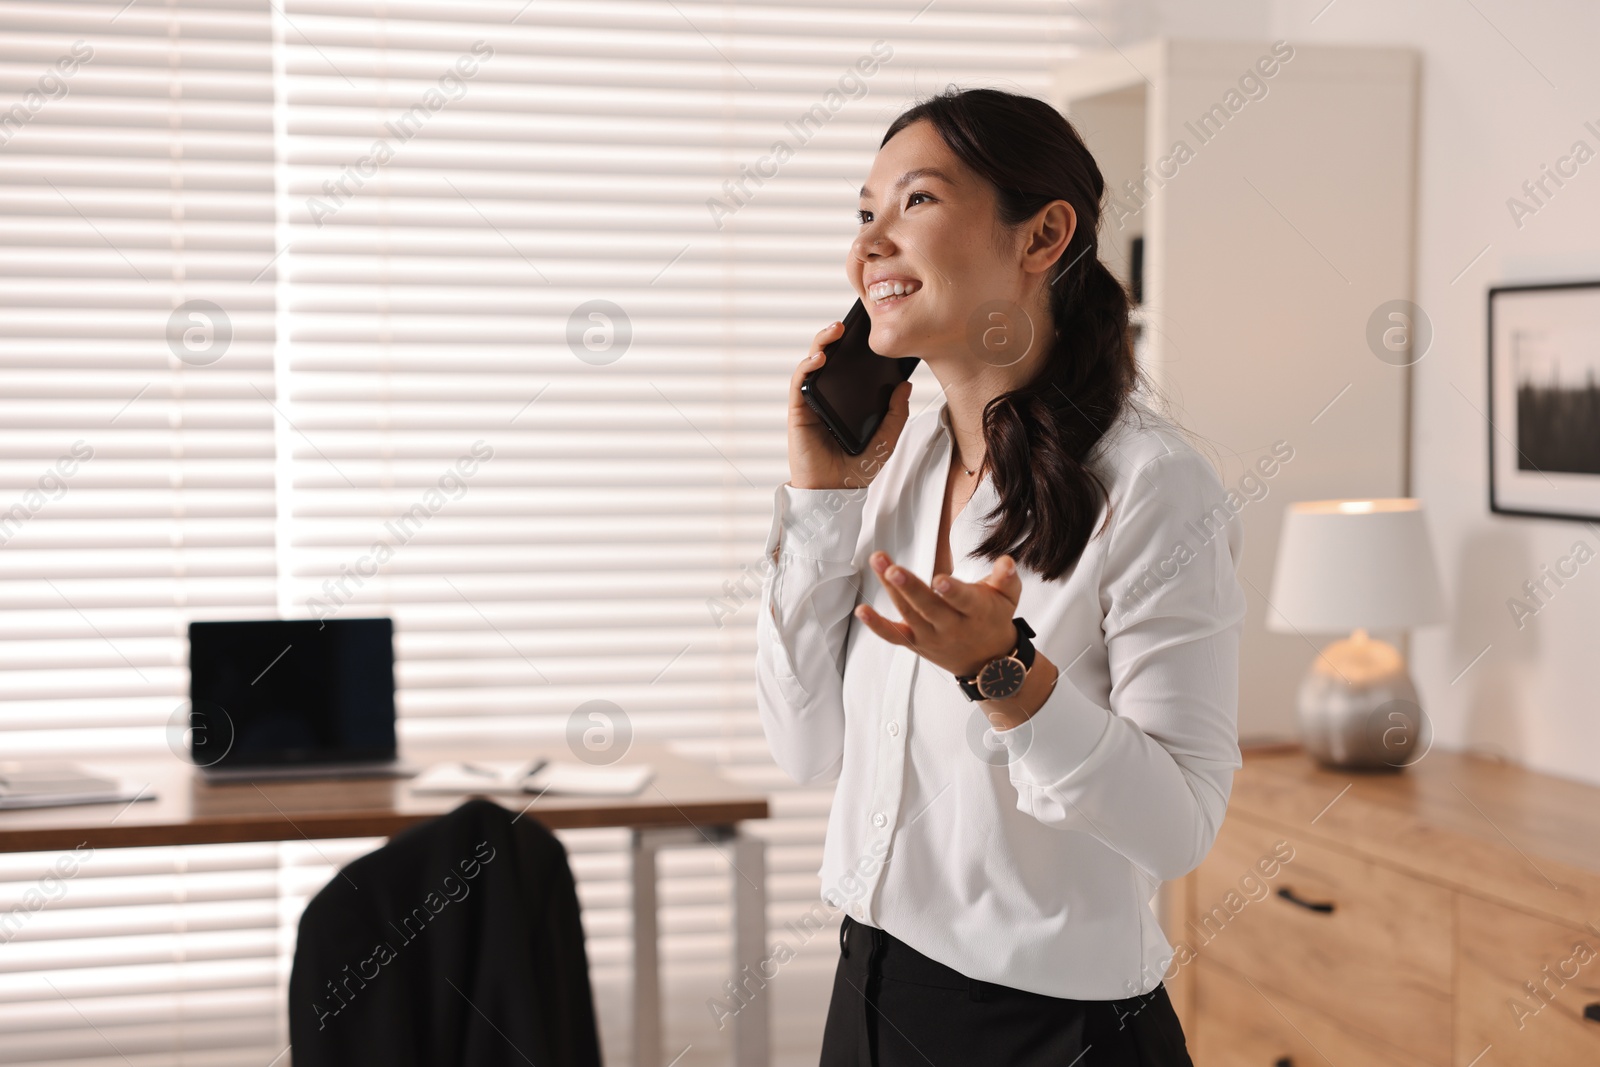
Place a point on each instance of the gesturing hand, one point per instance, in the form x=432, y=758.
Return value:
x=957, y=625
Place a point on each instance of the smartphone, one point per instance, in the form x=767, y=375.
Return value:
x=850, y=392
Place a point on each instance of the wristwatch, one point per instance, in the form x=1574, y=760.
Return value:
x=1002, y=676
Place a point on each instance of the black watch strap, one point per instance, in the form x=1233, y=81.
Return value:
x=1024, y=653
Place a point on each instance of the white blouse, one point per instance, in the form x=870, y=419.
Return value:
x=1026, y=857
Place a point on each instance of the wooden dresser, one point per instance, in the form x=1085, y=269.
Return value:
x=1444, y=916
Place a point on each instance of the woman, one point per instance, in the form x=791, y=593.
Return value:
x=1006, y=808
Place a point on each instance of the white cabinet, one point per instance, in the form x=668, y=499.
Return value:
x=1274, y=187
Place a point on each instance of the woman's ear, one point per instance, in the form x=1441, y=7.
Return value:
x=1049, y=234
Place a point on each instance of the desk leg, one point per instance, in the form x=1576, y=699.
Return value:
x=646, y=960
x=751, y=1040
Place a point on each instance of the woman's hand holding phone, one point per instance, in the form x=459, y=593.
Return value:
x=815, y=459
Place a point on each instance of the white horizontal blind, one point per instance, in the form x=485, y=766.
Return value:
x=141, y=955
x=552, y=524
x=136, y=447
x=136, y=493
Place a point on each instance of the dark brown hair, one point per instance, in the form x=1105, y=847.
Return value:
x=1038, y=437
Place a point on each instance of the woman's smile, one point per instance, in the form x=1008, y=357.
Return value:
x=889, y=290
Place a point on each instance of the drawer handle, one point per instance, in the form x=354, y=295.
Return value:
x=1310, y=905
x=1592, y=1012
x=1283, y=1061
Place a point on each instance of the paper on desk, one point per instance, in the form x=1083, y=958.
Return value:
x=51, y=785
x=586, y=780
x=476, y=776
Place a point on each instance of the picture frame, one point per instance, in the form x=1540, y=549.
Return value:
x=1544, y=400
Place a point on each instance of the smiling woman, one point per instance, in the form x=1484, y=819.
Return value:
x=1003, y=530
x=991, y=217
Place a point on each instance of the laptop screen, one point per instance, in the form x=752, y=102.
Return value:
x=291, y=691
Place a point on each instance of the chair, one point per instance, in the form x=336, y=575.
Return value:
x=459, y=942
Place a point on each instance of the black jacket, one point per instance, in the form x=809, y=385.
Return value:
x=456, y=944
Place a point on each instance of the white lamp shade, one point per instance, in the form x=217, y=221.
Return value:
x=1349, y=564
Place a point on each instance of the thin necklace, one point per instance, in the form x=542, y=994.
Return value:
x=956, y=453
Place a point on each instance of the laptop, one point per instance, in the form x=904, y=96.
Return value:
x=293, y=698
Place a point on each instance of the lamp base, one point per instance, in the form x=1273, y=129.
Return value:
x=1358, y=708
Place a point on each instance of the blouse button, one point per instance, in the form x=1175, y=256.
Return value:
x=894, y=729
x=879, y=819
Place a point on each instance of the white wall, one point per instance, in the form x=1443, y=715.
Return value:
x=1506, y=86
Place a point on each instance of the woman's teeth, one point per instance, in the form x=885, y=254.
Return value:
x=881, y=291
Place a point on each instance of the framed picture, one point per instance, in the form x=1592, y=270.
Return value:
x=1544, y=400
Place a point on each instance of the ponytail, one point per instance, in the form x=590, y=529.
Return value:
x=1038, y=438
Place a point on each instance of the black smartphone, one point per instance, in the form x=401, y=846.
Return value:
x=850, y=392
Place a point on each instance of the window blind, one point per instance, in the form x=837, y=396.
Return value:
x=136, y=427
x=137, y=491
x=512, y=293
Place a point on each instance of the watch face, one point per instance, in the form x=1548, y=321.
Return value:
x=1001, y=678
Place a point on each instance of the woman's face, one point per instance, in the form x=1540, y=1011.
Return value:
x=929, y=230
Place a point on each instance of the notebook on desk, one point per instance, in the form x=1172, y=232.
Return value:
x=585, y=780
x=476, y=777
x=538, y=776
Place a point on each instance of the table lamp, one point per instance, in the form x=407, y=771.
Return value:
x=1346, y=567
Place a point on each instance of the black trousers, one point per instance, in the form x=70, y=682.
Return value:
x=894, y=1007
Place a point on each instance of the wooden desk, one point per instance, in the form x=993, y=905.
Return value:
x=687, y=803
